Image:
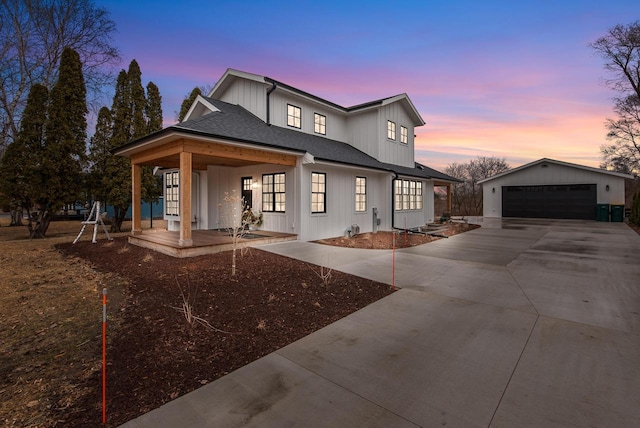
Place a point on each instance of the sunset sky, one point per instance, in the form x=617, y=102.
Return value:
x=513, y=79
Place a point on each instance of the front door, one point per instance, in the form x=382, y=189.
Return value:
x=247, y=193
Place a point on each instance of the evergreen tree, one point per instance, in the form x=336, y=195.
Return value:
x=117, y=183
x=61, y=162
x=132, y=116
x=154, y=109
x=186, y=104
x=19, y=165
x=152, y=184
x=99, y=155
x=138, y=126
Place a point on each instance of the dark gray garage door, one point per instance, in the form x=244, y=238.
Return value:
x=577, y=201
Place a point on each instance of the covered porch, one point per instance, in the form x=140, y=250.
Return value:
x=204, y=241
x=189, y=153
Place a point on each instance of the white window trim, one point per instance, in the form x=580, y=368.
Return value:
x=317, y=125
x=297, y=120
x=391, y=129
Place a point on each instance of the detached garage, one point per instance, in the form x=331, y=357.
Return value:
x=549, y=188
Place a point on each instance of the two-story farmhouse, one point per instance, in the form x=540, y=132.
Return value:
x=312, y=167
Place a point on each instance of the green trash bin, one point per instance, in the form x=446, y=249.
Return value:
x=603, y=212
x=617, y=213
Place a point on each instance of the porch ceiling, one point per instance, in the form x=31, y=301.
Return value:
x=205, y=153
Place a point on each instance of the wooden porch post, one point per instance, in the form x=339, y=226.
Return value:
x=449, y=198
x=136, y=178
x=185, y=199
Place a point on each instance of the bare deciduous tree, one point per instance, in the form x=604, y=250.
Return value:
x=620, y=48
x=467, y=196
x=33, y=34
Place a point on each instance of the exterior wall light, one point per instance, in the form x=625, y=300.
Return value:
x=493, y=190
x=607, y=187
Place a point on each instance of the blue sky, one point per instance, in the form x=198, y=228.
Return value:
x=513, y=79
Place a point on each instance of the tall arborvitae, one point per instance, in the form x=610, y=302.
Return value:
x=99, y=154
x=18, y=167
x=138, y=102
x=59, y=178
x=186, y=103
x=152, y=184
x=118, y=184
x=154, y=108
x=133, y=116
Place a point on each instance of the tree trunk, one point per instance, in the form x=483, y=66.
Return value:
x=39, y=224
x=16, y=217
x=118, y=218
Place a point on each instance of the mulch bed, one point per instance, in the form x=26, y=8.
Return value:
x=155, y=355
x=387, y=240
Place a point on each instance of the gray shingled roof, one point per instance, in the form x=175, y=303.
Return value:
x=235, y=123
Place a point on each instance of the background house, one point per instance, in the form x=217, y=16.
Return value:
x=550, y=188
x=312, y=167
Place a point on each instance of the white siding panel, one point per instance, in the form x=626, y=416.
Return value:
x=415, y=219
x=223, y=179
x=248, y=94
x=392, y=151
x=336, y=124
x=364, y=132
x=340, y=202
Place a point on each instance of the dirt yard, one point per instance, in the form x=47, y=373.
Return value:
x=50, y=323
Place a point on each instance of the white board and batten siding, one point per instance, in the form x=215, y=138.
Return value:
x=199, y=202
x=225, y=180
x=412, y=219
x=250, y=94
x=550, y=173
x=341, y=202
x=335, y=123
x=393, y=151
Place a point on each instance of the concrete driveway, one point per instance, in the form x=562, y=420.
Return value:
x=521, y=323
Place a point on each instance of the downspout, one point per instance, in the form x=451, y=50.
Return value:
x=273, y=88
x=393, y=200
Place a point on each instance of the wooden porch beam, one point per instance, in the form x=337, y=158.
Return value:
x=241, y=153
x=136, y=200
x=185, y=200
x=149, y=155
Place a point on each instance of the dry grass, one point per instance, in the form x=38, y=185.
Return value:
x=48, y=323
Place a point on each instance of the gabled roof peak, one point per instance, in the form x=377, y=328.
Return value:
x=555, y=162
x=230, y=74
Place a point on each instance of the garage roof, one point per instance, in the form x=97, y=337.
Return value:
x=556, y=162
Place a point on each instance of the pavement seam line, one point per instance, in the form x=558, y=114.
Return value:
x=523, y=292
x=347, y=389
x=515, y=367
x=514, y=278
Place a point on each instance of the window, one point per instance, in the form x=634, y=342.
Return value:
x=172, y=193
x=361, y=194
x=319, y=124
x=391, y=130
x=318, y=192
x=404, y=135
x=405, y=194
x=247, y=192
x=408, y=195
x=398, y=195
x=294, y=115
x=273, y=192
